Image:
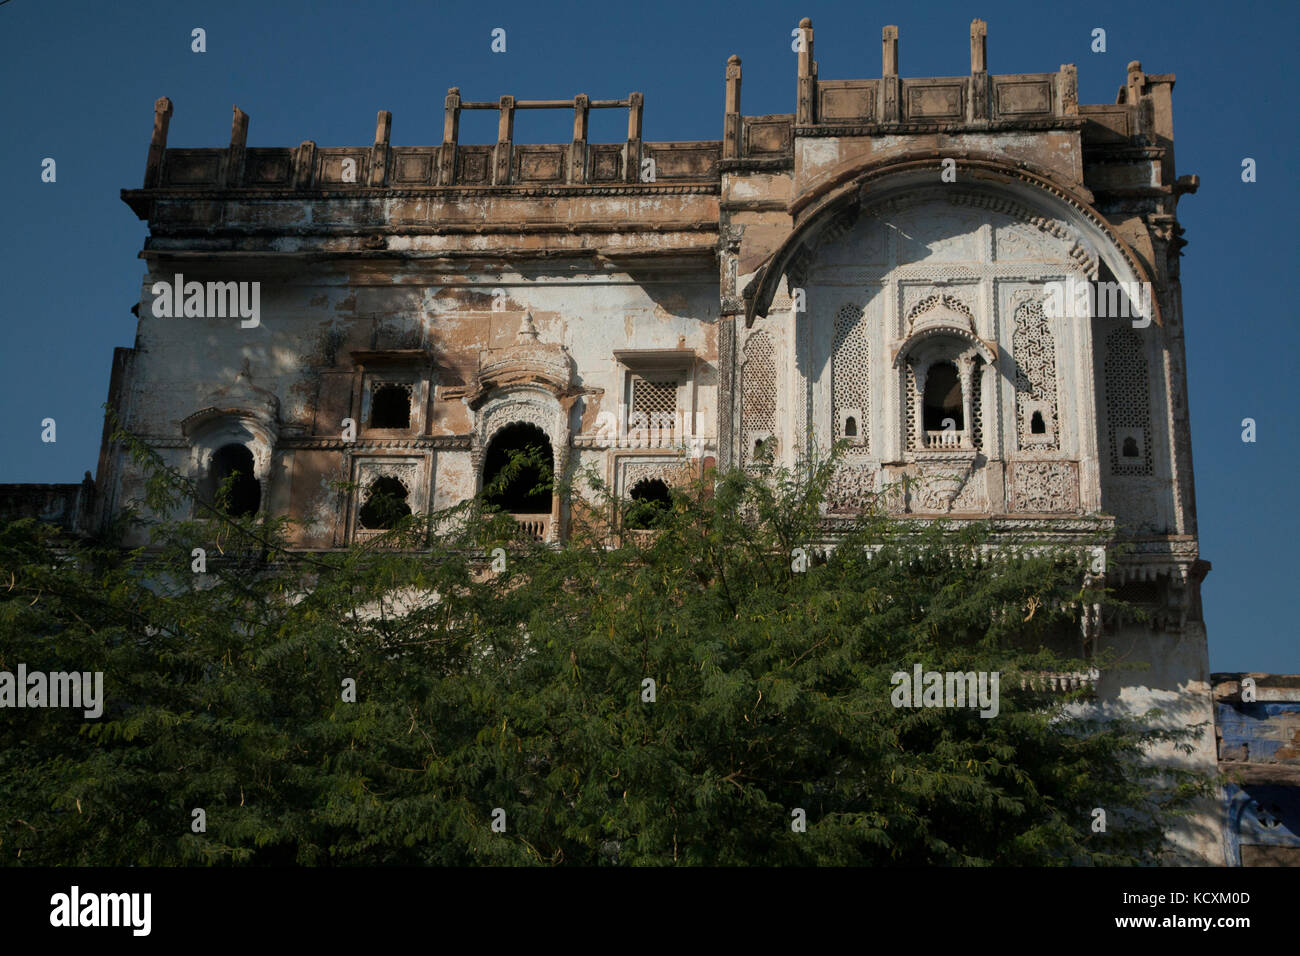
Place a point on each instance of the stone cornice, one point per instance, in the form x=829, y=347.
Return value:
x=140, y=200
x=1067, y=529
x=445, y=229
x=338, y=444
x=377, y=444
x=425, y=255
x=756, y=164
x=898, y=129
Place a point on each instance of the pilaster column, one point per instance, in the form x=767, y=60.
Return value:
x=966, y=371
x=919, y=373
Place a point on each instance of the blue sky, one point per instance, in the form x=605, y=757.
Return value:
x=80, y=79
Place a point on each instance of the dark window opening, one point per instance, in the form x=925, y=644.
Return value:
x=518, y=472
x=851, y=427
x=1131, y=448
x=650, y=504
x=1036, y=424
x=243, y=495
x=390, y=407
x=385, y=504
x=942, y=399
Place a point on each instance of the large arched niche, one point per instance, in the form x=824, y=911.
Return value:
x=1036, y=194
x=931, y=275
x=907, y=255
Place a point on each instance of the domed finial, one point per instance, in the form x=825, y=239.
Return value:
x=805, y=22
x=527, y=331
x=733, y=60
x=1135, y=66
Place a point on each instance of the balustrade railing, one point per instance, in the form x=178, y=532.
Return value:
x=536, y=526
x=947, y=438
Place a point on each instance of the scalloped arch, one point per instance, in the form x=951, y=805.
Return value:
x=1022, y=189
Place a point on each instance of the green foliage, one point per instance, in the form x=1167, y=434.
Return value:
x=523, y=690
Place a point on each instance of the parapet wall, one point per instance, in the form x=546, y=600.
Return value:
x=890, y=105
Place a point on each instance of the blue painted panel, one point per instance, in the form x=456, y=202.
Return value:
x=1260, y=815
x=1263, y=727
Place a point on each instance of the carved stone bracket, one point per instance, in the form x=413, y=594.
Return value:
x=942, y=475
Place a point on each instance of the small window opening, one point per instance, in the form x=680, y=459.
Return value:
x=243, y=496
x=385, y=504
x=851, y=427
x=651, y=502
x=942, y=399
x=390, y=407
x=1036, y=424
x=1131, y=448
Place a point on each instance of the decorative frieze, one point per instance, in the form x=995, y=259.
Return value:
x=1044, y=487
x=852, y=487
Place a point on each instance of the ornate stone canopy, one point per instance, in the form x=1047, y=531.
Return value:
x=526, y=362
x=937, y=318
x=527, y=382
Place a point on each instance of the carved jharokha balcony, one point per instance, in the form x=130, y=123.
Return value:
x=537, y=526
x=948, y=438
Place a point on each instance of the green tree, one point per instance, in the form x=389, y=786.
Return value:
x=525, y=690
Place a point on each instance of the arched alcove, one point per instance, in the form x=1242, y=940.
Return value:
x=230, y=483
x=386, y=503
x=648, y=504
x=941, y=405
x=518, y=472
x=519, y=418
x=234, y=435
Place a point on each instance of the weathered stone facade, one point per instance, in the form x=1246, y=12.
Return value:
x=871, y=267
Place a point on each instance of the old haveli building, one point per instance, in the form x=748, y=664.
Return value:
x=871, y=267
